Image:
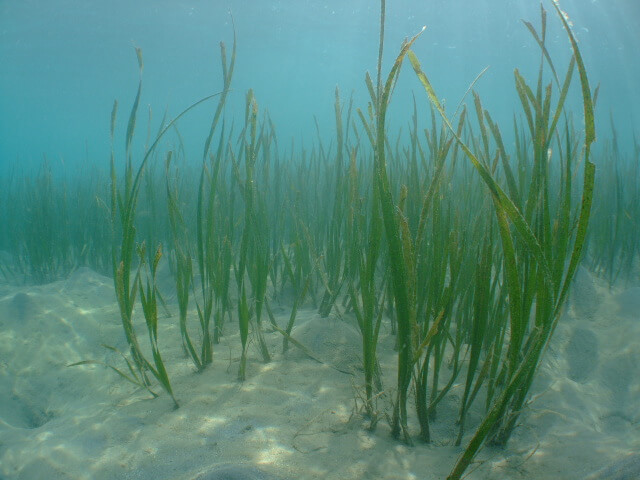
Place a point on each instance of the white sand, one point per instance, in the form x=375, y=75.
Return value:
x=294, y=417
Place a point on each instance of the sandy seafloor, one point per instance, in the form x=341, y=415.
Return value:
x=292, y=418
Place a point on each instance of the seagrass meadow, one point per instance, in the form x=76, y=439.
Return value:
x=435, y=291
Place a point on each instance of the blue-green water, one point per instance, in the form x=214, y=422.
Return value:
x=62, y=63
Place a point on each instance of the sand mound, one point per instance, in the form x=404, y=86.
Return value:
x=331, y=340
x=584, y=299
x=582, y=354
x=627, y=468
x=235, y=472
x=21, y=308
x=629, y=303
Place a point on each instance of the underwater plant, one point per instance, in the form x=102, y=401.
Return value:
x=123, y=211
x=548, y=254
x=540, y=247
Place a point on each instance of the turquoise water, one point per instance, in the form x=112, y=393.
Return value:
x=63, y=63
